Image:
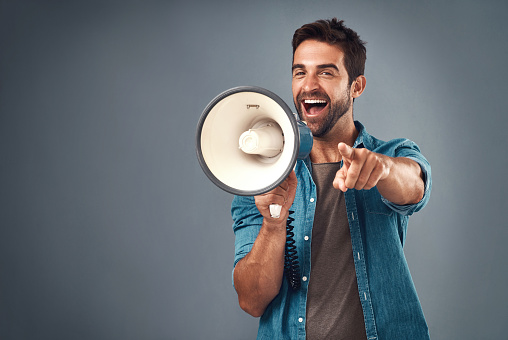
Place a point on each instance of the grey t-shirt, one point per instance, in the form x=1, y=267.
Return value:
x=333, y=303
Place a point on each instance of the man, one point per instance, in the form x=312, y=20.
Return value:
x=351, y=203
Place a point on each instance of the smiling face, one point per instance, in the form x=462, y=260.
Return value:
x=320, y=85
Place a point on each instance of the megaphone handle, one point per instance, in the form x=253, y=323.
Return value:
x=291, y=263
x=275, y=210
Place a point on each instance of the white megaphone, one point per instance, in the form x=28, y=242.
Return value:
x=248, y=140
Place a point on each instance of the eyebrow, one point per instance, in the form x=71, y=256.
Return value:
x=323, y=66
x=328, y=66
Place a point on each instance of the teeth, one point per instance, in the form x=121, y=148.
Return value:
x=314, y=101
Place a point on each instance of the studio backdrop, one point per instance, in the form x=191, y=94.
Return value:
x=110, y=228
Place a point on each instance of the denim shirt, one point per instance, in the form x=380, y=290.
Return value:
x=391, y=308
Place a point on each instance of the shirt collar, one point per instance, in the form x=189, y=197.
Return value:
x=362, y=135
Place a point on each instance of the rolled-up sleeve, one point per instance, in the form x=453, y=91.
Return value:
x=410, y=150
x=247, y=222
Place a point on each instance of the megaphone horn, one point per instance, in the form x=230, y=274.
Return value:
x=248, y=140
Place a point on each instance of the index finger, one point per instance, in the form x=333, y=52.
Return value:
x=285, y=184
x=346, y=151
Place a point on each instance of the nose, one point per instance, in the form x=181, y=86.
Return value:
x=310, y=83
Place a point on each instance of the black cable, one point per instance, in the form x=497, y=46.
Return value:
x=291, y=264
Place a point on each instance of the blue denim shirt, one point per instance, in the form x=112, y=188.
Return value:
x=391, y=308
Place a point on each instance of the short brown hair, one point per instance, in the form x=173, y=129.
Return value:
x=334, y=32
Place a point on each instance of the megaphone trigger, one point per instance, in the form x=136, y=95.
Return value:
x=275, y=210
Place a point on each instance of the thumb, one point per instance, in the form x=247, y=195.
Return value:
x=346, y=151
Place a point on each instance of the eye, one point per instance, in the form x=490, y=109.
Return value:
x=298, y=73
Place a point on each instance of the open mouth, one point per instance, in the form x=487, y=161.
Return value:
x=313, y=107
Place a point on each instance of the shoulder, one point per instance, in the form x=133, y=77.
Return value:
x=394, y=147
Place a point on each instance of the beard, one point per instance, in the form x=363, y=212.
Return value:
x=320, y=126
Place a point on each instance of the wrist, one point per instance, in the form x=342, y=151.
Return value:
x=274, y=225
x=388, y=164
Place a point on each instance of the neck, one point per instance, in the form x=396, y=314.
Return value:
x=325, y=148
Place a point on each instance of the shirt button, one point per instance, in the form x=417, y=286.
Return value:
x=312, y=199
x=306, y=238
x=300, y=319
x=304, y=278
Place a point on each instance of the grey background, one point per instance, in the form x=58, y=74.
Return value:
x=110, y=230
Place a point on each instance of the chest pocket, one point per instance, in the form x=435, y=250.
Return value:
x=374, y=204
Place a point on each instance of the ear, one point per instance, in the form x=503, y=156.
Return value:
x=358, y=86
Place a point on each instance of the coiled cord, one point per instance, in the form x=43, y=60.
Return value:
x=291, y=264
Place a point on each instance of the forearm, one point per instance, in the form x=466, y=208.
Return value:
x=404, y=183
x=258, y=276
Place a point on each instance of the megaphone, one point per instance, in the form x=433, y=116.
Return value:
x=248, y=140
x=247, y=143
